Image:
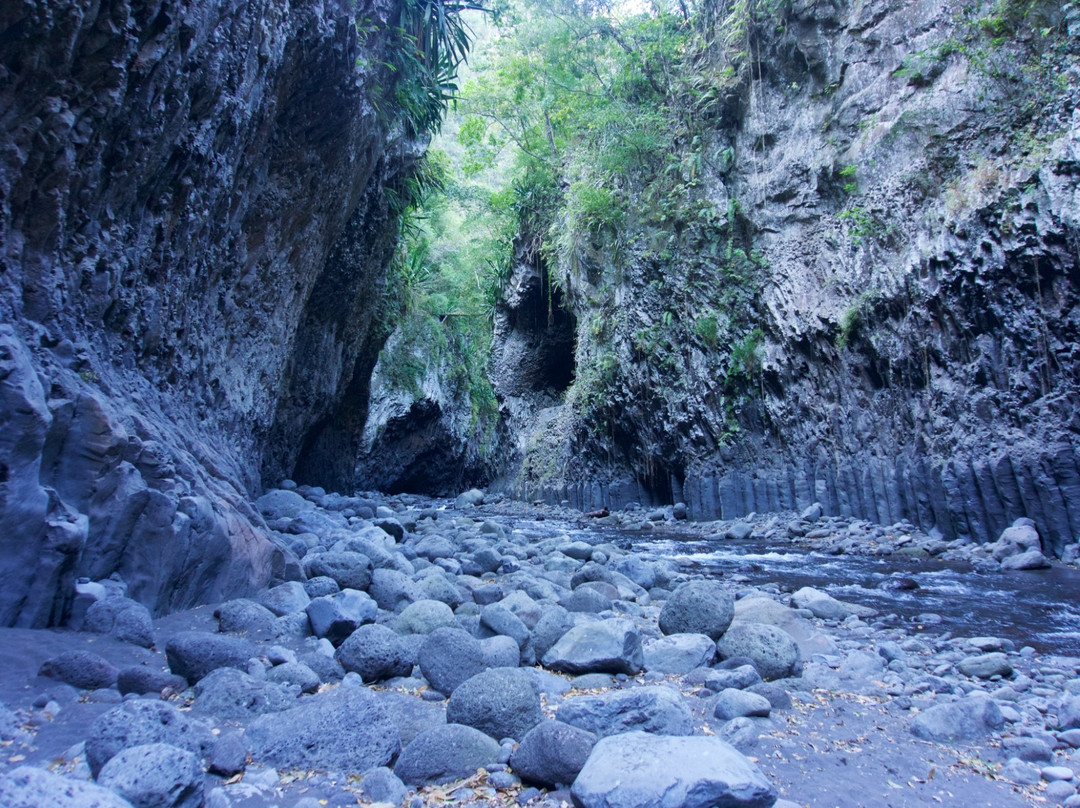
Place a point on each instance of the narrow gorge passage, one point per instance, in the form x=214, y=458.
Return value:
x=607, y=403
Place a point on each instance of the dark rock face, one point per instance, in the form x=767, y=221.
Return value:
x=192, y=236
x=918, y=364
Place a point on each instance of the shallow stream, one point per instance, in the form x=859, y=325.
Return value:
x=1038, y=608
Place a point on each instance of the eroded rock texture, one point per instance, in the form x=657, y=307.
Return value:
x=904, y=200
x=193, y=233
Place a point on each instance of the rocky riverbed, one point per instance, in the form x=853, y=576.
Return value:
x=427, y=652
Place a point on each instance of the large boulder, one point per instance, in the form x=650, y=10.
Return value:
x=823, y=605
x=449, y=656
x=347, y=729
x=772, y=650
x=28, y=787
x=445, y=753
x=638, y=770
x=349, y=570
x=375, y=652
x=243, y=616
x=123, y=618
x=286, y=598
x=552, y=753
x=968, y=719
x=678, y=653
x=1019, y=538
x=234, y=695
x=142, y=721
x=659, y=710
x=155, y=776
x=336, y=616
x=698, y=607
x=82, y=669
x=984, y=666
x=424, y=616
x=193, y=654
x=606, y=646
x=281, y=504
x=501, y=702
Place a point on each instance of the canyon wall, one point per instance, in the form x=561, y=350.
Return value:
x=193, y=239
x=887, y=318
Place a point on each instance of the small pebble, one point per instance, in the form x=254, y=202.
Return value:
x=1053, y=773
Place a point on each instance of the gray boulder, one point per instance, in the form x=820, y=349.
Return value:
x=968, y=719
x=587, y=600
x=122, y=618
x=155, y=776
x=234, y=695
x=608, y=646
x=823, y=605
x=659, y=710
x=500, y=620
x=295, y=673
x=81, y=669
x=552, y=753
x=375, y=652
x=449, y=656
x=552, y=624
x=349, y=570
x=346, y=729
x=698, y=607
x=424, y=616
x=772, y=650
x=678, y=653
x=337, y=616
x=984, y=666
x=286, y=598
x=637, y=770
x=500, y=652
x=445, y=753
x=1068, y=714
x=242, y=616
x=281, y=504
x=142, y=721
x=470, y=498
x=501, y=702
x=393, y=590
x=28, y=787
x=320, y=586
x=732, y=703
x=1020, y=538
x=739, y=677
x=382, y=785
x=193, y=654
x=1029, y=560
x=411, y=714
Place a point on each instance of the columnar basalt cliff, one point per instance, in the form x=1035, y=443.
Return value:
x=901, y=258
x=193, y=238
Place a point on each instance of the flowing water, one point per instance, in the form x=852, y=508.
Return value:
x=1038, y=608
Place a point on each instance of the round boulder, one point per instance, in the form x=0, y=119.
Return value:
x=142, y=721
x=346, y=729
x=193, y=654
x=424, y=616
x=81, y=669
x=29, y=787
x=155, y=776
x=501, y=702
x=638, y=769
x=698, y=607
x=771, y=649
x=375, y=652
x=552, y=753
x=449, y=656
x=444, y=754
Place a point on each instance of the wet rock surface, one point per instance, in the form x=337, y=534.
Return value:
x=886, y=713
